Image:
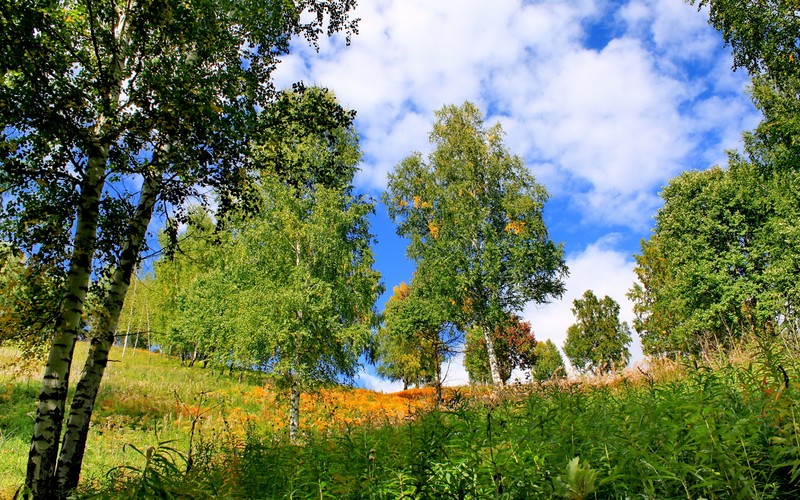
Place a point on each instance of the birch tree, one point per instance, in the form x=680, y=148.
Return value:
x=305, y=304
x=415, y=339
x=111, y=111
x=473, y=213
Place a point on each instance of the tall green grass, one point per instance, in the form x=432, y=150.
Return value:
x=145, y=398
x=704, y=430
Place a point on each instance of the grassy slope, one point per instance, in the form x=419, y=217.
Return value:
x=731, y=431
x=147, y=398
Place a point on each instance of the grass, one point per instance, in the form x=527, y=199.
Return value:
x=147, y=398
x=713, y=430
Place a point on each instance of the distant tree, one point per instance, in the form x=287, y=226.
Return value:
x=515, y=347
x=549, y=364
x=189, y=300
x=415, y=339
x=473, y=213
x=597, y=341
x=134, y=325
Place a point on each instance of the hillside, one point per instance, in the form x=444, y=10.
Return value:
x=726, y=431
x=149, y=397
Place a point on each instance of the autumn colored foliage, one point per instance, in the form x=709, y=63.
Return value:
x=514, y=344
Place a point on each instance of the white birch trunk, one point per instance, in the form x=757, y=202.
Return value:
x=294, y=411
x=52, y=399
x=40, y=478
x=497, y=381
x=77, y=430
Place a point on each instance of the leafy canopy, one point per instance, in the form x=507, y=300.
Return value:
x=473, y=213
x=597, y=341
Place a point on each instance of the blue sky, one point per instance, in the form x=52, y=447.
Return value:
x=604, y=100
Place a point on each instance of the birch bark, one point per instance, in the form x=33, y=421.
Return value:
x=497, y=380
x=77, y=430
x=52, y=399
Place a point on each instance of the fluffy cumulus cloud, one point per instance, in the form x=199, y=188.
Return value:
x=369, y=380
x=616, y=96
x=453, y=375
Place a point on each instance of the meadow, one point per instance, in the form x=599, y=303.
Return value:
x=714, y=428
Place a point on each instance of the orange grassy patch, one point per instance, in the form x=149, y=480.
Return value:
x=337, y=407
x=416, y=393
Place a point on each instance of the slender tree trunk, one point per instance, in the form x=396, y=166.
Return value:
x=497, y=381
x=294, y=411
x=40, y=480
x=149, y=342
x=438, y=374
x=128, y=330
x=77, y=430
x=52, y=399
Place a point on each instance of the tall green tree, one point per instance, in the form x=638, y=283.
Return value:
x=514, y=346
x=304, y=140
x=304, y=303
x=764, y=38
x=549, y=364
x=110, y=110
x=700, y=272
x=722, y=260
x=473, y=213
x=598, y=341
x=415, y=339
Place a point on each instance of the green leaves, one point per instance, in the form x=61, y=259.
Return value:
x=720, y=263
x=415, y=338
x=763, y=35
x=597, y=341
x=473, y=213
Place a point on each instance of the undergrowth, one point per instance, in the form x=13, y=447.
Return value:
x=702, y=430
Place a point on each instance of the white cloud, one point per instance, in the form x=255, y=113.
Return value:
x=621, y=120
x=599, y=268
x=453, y=375
x=375, y=383
x=453, y=372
